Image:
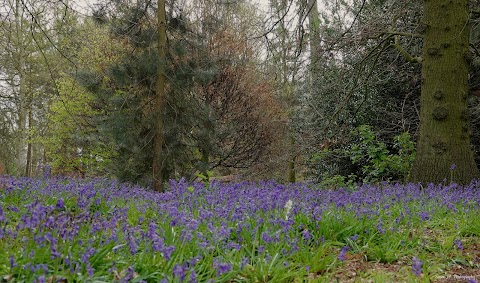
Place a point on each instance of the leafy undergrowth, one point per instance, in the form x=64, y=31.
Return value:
x=65, y=230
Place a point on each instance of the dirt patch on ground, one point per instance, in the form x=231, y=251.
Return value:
x=356, y=268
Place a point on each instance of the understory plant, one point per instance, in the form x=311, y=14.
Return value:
x=366, y=160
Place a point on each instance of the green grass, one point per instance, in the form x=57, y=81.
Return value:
x=235, y=233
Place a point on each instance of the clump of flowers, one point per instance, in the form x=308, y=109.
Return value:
x=417, y=266
x=343, y=254
x=221, y=267
x=458, y=244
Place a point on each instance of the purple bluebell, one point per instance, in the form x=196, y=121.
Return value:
x=11, y=260
x=424, y=215
x=306, y=234
x=2, y=215
x=458, y=244
x=417, y=266
x=60, y=204
x=179, y=272
x=193, y=277
x=221, y=267
x=266, y=237
x=167, y=252
x=343, y=253
x=244, y=262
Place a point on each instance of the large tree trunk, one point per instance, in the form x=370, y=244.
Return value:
x=443, y=150
x=158, y=158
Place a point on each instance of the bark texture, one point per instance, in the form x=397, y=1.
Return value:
x=443, y=149
x=158, y=159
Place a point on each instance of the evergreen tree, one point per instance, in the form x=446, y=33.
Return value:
x=211, y=110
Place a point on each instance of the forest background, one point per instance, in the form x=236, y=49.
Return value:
x=290, y=92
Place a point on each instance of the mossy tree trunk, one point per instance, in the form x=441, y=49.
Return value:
x=443, y=149
x=158, y=159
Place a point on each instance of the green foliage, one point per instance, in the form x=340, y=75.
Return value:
x=205, y=178
x=210, y=115
x=71, y=142
x=370, y=160
x=123, y=88
x=377, y=162
x=339, y=181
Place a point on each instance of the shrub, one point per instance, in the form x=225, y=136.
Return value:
x=366, y=159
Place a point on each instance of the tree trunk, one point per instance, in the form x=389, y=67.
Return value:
x=22, y=93
x=443, y=149
x=28, y=169
x=22, y=125
x=158, y=158
x=206, y=140
x=315, y=47
x=292, y=173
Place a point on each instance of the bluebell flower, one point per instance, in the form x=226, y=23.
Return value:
x=221, y=267
x=193, y=277
x=417, y=266
x=343, y=253
x=306, y=234
x=179, y=271
x=11, y=260
x=458, y=244
x=60, y=204
x=424, y=215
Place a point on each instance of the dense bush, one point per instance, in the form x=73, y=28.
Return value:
x=366, y=159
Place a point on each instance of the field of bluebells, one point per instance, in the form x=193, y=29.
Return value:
x=66, y=230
